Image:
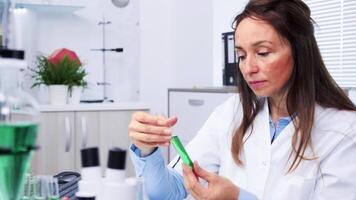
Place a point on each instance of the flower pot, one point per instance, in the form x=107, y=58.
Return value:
x=58, y=94
x=74, y=95
x=43, y=95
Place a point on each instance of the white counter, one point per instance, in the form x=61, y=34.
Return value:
x=95, y=107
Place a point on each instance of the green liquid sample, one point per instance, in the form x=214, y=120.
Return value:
x=181, y=151
x=13, y=167
x=53, y=198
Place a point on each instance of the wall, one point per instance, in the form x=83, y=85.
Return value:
x=155, y=52
x=181, y=45
x=175, y=48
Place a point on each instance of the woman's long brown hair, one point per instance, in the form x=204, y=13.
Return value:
x=310, y=82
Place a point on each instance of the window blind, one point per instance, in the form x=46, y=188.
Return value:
x=335, y=32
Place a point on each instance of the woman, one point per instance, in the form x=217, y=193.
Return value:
x=289, y=134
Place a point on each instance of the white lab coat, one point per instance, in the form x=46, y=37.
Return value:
x=331, y=176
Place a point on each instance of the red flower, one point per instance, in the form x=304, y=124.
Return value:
x=58, y=55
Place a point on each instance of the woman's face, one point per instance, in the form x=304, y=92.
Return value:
x=266, y=61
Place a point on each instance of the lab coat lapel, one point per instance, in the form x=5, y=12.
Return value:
x=257, y=152
x=281, y=145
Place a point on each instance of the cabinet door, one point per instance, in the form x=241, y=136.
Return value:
x=192, y=110
x=56, y=140
x=87, y=133
x=114, y=133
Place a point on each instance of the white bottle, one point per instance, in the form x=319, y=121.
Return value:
x=92, y=181
x=115, y=180
x=116, y=169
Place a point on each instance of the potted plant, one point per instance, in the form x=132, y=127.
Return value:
x=63, y=73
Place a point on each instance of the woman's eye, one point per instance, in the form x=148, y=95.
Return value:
x=263, y=54
x=241, y=57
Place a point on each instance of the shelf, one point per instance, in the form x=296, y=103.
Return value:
x=46, y=7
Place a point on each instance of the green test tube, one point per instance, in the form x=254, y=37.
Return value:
x=181, y=151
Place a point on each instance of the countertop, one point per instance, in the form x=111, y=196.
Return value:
x=95, y=107
x=223, y=89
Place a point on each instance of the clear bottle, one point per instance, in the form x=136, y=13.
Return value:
x=18, y=125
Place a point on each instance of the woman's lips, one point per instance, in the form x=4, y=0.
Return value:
x=257, y=84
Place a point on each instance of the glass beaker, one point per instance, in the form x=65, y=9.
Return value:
x=18, y=125
x=53, y=189
x=41, y=189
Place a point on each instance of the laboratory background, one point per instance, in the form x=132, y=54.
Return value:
x=168, y=57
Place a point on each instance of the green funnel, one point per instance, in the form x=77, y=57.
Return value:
x=16, y=144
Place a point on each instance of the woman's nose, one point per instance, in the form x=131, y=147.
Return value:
x=249, y=65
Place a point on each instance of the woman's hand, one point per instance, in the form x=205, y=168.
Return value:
x=218, y=187
x=150, y=131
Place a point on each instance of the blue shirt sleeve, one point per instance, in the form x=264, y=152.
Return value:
x=244, y=195
x=160, y=181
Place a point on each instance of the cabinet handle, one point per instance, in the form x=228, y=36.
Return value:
x=84, y=133
x=67, y=134
x=196, y=102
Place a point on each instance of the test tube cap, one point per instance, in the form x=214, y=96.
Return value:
x=90, y=157
x=117, y=158
x=85, y=198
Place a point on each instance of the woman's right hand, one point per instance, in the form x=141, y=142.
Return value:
x=150, y=131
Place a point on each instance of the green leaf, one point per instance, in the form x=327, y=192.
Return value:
x=66, y=72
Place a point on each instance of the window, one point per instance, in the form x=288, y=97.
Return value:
x=335, y=32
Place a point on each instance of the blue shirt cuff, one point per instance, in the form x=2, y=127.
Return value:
x=245, y=195
x=141, y=162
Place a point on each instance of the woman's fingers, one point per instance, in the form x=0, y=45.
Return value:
x=157, y=120
x=150, y=129
x=200, y=172
x=192, y=182
x=144, y=117
x=150, y=138
x=167, y=122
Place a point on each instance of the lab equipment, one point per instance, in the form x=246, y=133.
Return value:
x=18, y=125
x=116, y=170
x=68, y=183
x=181, y=151
x=41, y=188
x=114, y=184
x=104, y=83
x=91, y=183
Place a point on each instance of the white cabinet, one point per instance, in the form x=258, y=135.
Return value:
x=87, y=133
x=57, y=144
x=114, y=133
x=193, y=107
x=63, y=134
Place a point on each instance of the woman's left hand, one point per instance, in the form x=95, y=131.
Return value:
x=218, y=187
